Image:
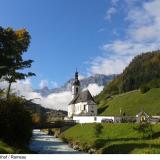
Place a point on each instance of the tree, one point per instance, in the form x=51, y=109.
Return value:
x=12, y=46
x=15, y=122
x=145, y=129
x=144, y=88
x=98, y=129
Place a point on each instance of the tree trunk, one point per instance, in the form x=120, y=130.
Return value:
x=8, y=91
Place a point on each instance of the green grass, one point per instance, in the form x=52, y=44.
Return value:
x=7, y=149
x=115, y=138
x=4, y=148
x=131, y=103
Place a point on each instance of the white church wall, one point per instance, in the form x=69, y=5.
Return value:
x=70, y=110
x=90, y=109
x=91, y=119
x=79, y=107
x=84, y=119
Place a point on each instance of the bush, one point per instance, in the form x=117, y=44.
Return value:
x=144, y=88
x=145, y=129
x=15, y=122
x=98, y=129
x=155, y=83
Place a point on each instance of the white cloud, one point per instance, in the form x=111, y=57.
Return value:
x=107, y=66
x=142, y=35
x=54, y=101
x=145, y=24
x=80, y=76
x=114, y=2
x=94, y=89
x=129, y=48
x=110, y=12
x=43, y=83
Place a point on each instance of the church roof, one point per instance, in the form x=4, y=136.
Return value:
x=142, y=113
x=84, y=96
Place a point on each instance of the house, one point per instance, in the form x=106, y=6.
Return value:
x=142, y=117
x=82, y=103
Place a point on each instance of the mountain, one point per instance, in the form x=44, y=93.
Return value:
x=41, y=115
x=144, y=70
x=98, y=79
x=136, y=89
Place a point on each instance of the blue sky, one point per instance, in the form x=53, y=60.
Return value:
x=95, y=36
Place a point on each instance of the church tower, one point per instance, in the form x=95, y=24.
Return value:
x=75, y=86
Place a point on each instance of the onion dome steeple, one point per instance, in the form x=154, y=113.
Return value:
x=76, y=80
x=75, y=86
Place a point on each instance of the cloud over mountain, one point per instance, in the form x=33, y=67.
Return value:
x=58, y=98
x=141, y=34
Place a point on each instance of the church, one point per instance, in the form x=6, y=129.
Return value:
x=82, y=103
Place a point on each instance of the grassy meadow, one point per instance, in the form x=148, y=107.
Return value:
x=131, y=103
x=115, y=138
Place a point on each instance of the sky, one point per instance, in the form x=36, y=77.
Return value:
x=94, y=36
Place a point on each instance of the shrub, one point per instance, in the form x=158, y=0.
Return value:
x=144, y=88
x=15, y=122
x=155, y=83
x=98, y=129
x=145, y=128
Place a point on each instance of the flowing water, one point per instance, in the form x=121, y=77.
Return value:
x=46, y=144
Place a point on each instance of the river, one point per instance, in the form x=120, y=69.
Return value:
x=45, y=144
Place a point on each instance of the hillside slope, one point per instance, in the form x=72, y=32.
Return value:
x=131, y=103
x=120, y=138
x=144, y=69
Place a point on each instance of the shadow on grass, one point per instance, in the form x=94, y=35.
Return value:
x=156, y=135
x=124, y=145
x=126, y=148
x=102, y=109
x=99, y=143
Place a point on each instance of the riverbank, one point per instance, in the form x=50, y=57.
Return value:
x=7, y=149
x=115, y=138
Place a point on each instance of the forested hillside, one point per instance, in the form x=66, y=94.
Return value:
x=142, y=75
x=144, y=70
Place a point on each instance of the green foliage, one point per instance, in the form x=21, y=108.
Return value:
x=132, y=103
x=15, y=122
x=145, y=129
x=155, y=83
x=144, y=88
x=115, y=138
x=4, y=148
x=12, y=46
x=98, y=129
x=144, y=69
